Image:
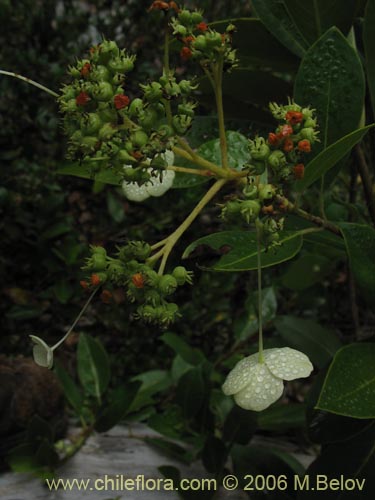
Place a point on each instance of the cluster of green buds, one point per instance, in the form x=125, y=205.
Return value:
x=258, y=200
x=201, y=42
x=283, y=153
x=146, y=288
x=108, y=130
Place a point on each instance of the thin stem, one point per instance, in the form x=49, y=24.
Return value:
x=175, y=236
x=76, y=320
x=193, y=171
x=259, y=271
x=218, y=88
x=314, y=219
x=206, y=164
x=31, y=82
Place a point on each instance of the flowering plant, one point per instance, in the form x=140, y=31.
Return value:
x=270, y=188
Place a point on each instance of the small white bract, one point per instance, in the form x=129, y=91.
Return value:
x=255, y=386
x=154, y=187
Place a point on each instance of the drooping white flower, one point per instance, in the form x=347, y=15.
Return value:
x=255, y=385
x=42, y=353
x=155, y=186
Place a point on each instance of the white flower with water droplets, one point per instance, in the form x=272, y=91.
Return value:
x=255, y=386
x=153, y=187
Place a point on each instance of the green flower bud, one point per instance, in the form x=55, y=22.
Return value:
x=106, y=132
x=121, y=64
x=180, y=30
x=186, y=87
x=251, y=191
x=172, y=89
x=135, y=107
x=107, y=114
x=310, y=123
x=266, y=191
x=231, y=208
x=181, y=123
x=185, y=17
x=152, y=297
x=69, y=106
x=103, y=91
x=167, y=284
x=91, y=123
x=309, y=134
x=139, y=138
x=186, y=109
x=149, y=117
x=259, y=150
x=152, y=278
x=153, y=91
x=100, y=74
x=98, y=262
x=250, y=210
x=125, y=157
x=181, y=275
x=165, y=131
x=88, y=143
x=213, y=39
x=200, y=43
x=277, y=159
x=107, y=49
x=196, y=17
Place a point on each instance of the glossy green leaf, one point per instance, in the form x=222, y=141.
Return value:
x=86, y=172
x=331, y=80
x=71, y=390
x=360, y=245
x=93, y=366
x=169, y=423
x=153, y=381
x=317, y=342
x=349, y=387
x=328, y=158
x=242, y=255
x=191, y=392
x=256, y=46
x=281, y=418
x=352, y=459
x=238, y=150
x=120, y=401
x=187, y=353
x=238, y=155
x=315, y=17
x=275, y=16
x=369, y=45
x=239, y=426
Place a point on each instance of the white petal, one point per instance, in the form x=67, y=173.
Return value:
x=155, y=187
x=42, y=353
x=241, y=375
x=262, y=390
x=287, y=363
x=168, y=157
x=133, y=192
